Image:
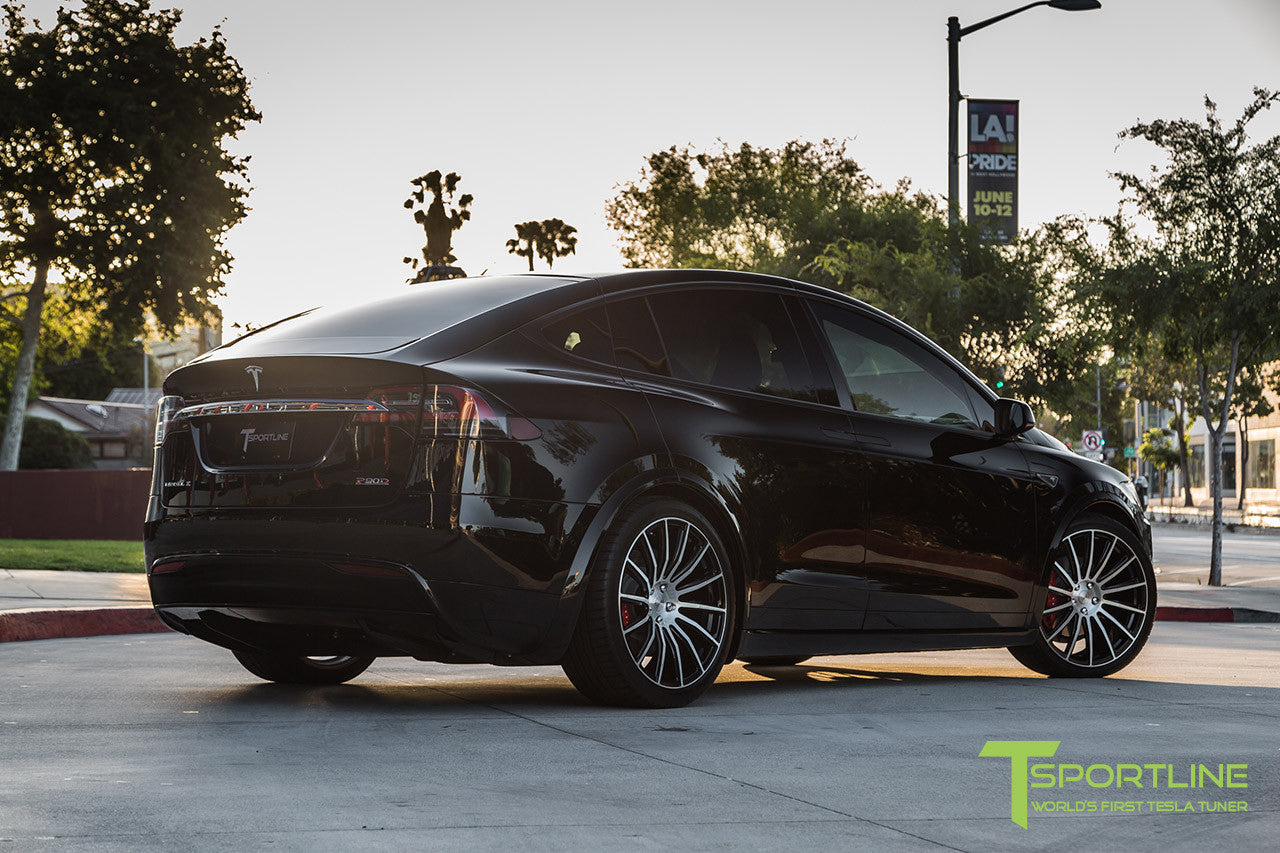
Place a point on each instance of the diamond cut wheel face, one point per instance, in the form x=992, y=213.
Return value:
x=1096, y=607
x=673, y=603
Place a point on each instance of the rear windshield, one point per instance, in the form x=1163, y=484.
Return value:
x=392, y=322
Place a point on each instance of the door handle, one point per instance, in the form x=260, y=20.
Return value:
x=844, y=434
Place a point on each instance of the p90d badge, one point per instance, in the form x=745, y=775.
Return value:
x=373, y=481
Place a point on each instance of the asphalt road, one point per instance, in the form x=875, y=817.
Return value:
x=163, y=742
x=1248, y=559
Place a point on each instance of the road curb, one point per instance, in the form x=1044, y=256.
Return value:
x=52, y=624
x=1243, y=615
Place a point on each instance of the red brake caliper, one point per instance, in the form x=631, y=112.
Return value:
x=626, y=615
x=1051, y=619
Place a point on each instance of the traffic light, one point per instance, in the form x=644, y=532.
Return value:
x=999, y=377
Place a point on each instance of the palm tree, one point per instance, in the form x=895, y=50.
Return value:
x=548, y=239
x=438, y=224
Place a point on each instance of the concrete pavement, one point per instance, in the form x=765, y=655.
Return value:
x=159, y=742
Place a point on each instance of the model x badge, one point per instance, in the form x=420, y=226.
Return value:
x=254, y=371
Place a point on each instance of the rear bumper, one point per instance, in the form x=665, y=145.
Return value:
x=481, y=581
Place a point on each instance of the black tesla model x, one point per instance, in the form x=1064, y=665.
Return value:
x=639, y=476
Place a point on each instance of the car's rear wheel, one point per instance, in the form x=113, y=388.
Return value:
x=659, y=612
x=1100, y=601
x=294, y=669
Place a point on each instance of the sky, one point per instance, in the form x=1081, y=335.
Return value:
x=545, y=107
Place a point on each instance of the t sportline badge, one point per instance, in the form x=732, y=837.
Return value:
x=252, y=435
x=1151, y=779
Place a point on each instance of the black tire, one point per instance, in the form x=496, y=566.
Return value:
x=776, y=660
x=679, y=611
x=293, y=669
x=1110, y=594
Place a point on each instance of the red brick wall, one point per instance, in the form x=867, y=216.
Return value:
x=73, y=504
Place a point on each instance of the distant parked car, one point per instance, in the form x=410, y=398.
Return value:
x=638, y=476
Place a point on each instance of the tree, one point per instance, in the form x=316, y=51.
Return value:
x=115, y=188
x=438, y=220
x=48, y=444
x=548, y=239
x=1159, y=374
x=761, y=209
x=1251, y=401
x=1207, y=278
x=1157, y=450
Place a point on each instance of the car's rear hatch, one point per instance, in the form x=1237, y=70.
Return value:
x=289, y=431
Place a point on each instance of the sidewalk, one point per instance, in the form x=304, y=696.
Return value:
x=1189, y=602
x=42, y=605
x=1258, y=518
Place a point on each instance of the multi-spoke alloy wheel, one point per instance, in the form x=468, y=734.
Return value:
x=1099, y=603
x=672, y=603
x=659, y=613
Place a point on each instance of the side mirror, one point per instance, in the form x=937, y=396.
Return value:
x=1013, y=417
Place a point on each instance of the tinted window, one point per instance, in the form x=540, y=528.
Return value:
x=635, y=340
x=889, y=374
x=740, y=340
x=985, y=412
x=584, y=333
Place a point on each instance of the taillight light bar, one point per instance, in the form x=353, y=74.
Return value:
x=270, y=407
x=443, y=411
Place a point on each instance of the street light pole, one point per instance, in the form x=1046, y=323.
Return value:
x=955, y=32
x=953, y=121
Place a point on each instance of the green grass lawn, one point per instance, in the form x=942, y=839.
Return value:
x=80, y=555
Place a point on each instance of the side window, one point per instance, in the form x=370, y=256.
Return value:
x=734, y=339
x=584, y=333
x=889, y=374
x=985, y=412
x=635, y=340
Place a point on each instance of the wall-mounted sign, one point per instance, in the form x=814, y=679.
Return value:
x=993, y=169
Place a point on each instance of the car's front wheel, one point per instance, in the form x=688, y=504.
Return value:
x=294, y=669
x=659, y=612
x=1100, y=601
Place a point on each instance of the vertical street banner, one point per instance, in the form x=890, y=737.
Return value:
x=993, y=169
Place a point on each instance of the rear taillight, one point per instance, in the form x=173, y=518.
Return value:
x=395, y=405
x=166, y=411
x=449, y=411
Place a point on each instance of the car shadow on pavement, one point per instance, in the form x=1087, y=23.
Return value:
x=541, y=689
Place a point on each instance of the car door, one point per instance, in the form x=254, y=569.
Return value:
x=744, y=411
x=951, y=520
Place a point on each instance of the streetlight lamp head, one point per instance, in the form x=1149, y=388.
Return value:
x=1075, y=5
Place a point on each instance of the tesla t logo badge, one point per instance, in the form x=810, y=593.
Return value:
x=254, y=371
